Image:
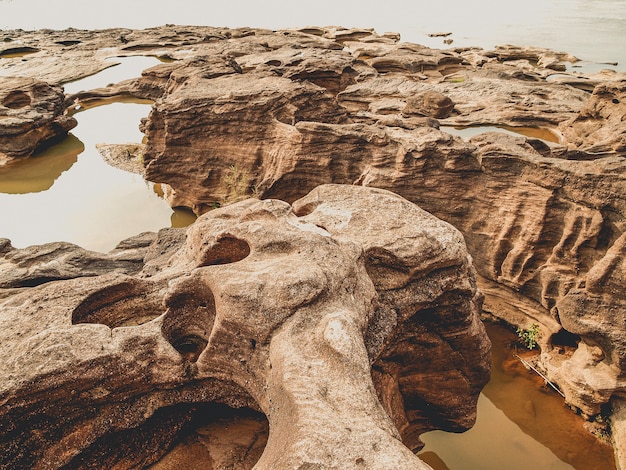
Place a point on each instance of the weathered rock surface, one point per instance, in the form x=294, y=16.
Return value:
x=31, y=116
x=350, y=319
x=600, y=127
x=537, y=215
x=275, y=114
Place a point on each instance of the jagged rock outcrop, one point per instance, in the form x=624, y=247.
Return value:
x=31, y=116
x=350, y=319
x=600, y=127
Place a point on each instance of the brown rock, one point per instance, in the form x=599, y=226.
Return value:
x=430, y=103
x=349, y=320
x=275, y=114
x=31, y=116
x=271, y=106
x=600, y=127
x=537, y=216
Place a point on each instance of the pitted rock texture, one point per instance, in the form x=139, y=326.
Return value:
x=31, y=117
x=537, y=215
x=350, y=319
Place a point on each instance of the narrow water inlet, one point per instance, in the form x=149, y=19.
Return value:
x=520, y=420
x=466, y=132
x=69, y=193
x=121, y=68
x=77, y=197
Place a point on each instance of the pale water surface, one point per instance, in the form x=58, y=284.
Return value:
x=594, y=30
x=77, y=197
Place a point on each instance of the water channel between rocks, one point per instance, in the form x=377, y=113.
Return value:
x=69, y=193
x=521, y=424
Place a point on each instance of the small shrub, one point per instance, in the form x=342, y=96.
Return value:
x=530, y=336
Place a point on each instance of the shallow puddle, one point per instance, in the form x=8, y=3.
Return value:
x=69, y=193
x=32, y=175
x=521, y=424
x=466, y=132
x=17, y=51
x=127, y=67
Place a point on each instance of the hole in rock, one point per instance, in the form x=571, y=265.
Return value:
x=68, y=42
x=615, y=101
x=564, y=339
x=190, y=347
x=189, y=318
x=17, y=99
x=201, y=435
x=385, y=269
x=36, y=281
x=225, y=251
x=124, y=304
x=18, y=51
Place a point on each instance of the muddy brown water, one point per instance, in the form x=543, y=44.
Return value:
x=533, y=132
x=521, y=424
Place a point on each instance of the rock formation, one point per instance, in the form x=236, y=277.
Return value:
x=350, y=319
x=276, y=113
x=31, y=116
x=539, y=216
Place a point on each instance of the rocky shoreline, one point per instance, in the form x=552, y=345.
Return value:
x=275, y=114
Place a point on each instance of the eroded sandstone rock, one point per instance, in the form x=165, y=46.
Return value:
x=276, y=113
x=31, y=116
x=350, y=319
x=600, y=127
x=537, y=215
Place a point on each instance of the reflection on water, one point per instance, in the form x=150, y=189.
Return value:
x=69, y=193
x=520, y=424
x=32, y=175
x=534, y=132
x=15, y=52
x=93, y=204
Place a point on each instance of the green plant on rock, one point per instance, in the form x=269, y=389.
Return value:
x=529, y=336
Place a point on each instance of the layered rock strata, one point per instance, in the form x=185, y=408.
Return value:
x=539, y=214
x=350, y=319
x=278, y=114
x=32, y=116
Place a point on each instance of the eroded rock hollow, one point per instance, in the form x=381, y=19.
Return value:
x=350, y=319
x=32, y=115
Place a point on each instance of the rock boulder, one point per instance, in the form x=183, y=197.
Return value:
x=31, y=116
x=350, y=319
